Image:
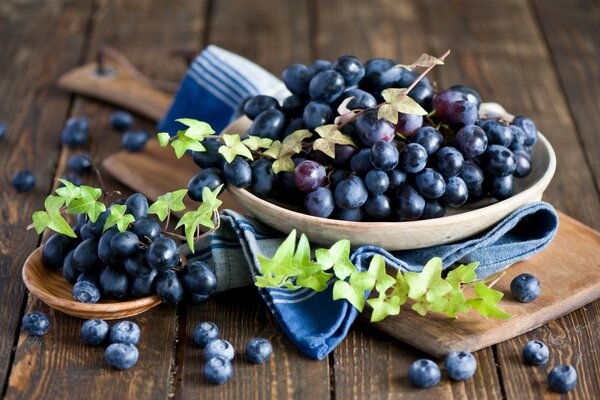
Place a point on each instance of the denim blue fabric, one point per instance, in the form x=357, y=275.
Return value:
x=213, y=89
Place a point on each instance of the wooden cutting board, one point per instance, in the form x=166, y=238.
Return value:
x=569, y=269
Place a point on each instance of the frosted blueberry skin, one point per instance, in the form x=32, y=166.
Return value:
x=121, y=355
x=93, y=332
x=424, y=373
x=258, y=350
x=218, y=347
x=206, y=332
x=535, y=352
x=525, y=288
x=218, y=370
x=562, y=378
x=126, y=332
x=460, y=365
x=36, y=323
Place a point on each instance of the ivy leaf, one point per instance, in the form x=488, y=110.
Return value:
x=273, y=150
x=210, y=201
x=234, y=147
x=330, y=136
x=384, y=306
x=52, y=217
x=462, y=274
x=399, y=100
x=284, y=164
x=255, y=142
x=281, y=261
x=401, y=288
x=184, y=143
x=119, y=218
x=338, y=257
x=486, y=303
x=68, y=192
x=171, y=201
x=311, y=274
x=163, y=138
x=87, y=203
x=377, y=270
x=418, y=282
x=345, y=114
x=343, y=107
x=421, y=308
x=456, y=304
x=190, y=221
x=41, y=220
x=292, y=144
x=388, y=112
x=424, y=60
x=343, y=290
x=197, y=130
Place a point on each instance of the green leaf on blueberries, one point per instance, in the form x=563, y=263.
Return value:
x=197, y=130
x=486, y=302
x=284, y=164
x=88, y=203
x=401, y=102
x=234, y=147
x=424, y=60
x=210, y=201
x=119, y=218
x=355, y=296
x=330, y=136
x=292, y=144
x=171, y=201
x=388, y=112
x=191, y=220
x=273, y=150
x=255, y=142
x=338, y=257
x=52, y=217
x=68, y=192
x=163, y=138
x=41, y=220
x=184, y=143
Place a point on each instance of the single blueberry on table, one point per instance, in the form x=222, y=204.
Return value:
x=121, y=356
x=206, y=332
x=2, y=130
x=424, y=373
x=126, y=332
x=218, y=347
x=93, y=332
x=258, y=350
x=562, y=378
x=525, y=288
x=535, y=352
x=86, y=292
x=23, y=180
x=36, y=323
x=134, y=140
x=75, y=132
x=120, y=120
x=80, y=163
x=460, y=365
x=218, y=370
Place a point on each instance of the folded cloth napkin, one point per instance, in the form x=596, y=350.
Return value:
x=213, y=89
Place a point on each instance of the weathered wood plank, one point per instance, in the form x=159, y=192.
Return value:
x=38, y=42
x=369, y=363
x=506, y=59
x=571, y=32
x=48, y=367
x=272, y=34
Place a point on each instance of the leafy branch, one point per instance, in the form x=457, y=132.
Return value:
x=292, y=267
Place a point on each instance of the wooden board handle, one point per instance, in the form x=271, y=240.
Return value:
x=119, y=88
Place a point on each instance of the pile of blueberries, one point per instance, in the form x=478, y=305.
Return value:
x=408, y=171
x=138, y=262
x=75, y=134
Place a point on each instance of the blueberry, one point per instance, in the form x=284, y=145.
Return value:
x=120, y=120
x=460, y=365
x=168, y=287
x=121, y=356
x=162, y=254
x=114, y=282
x=351, y=214
x=86, y=292
x=218, y=347
x=70, y=273
x=378, y=206
x=384, y=156
x=535, y=352
x=56, y=249
x=528, y=126
x=211, y=157
x=144, y=285
x=196, y=299
x=351, y=69
x=134, y=140
x=209, y=177
x=75, y=132
x=296, y=78
x=525, y=288
x=126, y=332
x=268, y=124
x=218, y=370
x=238, y=172
x=36, y=323
x=198, y=278
x=257, y=104
x=562, y=378
x=146, y=229
x=258, y=350
x=23, y=180
x=80, y=163
x=137, y=205
x=424, y=373
x=124, y=243
x=206, y=332
x=93, y=332
x=2, y=130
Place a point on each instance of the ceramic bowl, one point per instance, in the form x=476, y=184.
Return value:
x=456, y=225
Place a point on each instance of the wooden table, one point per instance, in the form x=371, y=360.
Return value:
x=538, y=58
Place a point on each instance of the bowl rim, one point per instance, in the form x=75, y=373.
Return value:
x=538, y=187
x=67, y=304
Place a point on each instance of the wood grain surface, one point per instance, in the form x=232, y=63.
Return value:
x=535, y=57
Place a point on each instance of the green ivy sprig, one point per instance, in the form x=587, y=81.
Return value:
x=292, y=267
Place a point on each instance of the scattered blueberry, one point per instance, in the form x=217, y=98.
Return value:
x=218, y=370
x=424, y=373
x=205, y=332
x=258, y=350
x=562, y=378
x=75, y=132
x=125, y=332
x=460, y=365
x=23, y=180
x=525, y=288
x=134, y=141
x=2, y=130
x=121, y=356
x=86, y=292
x=535, y=352
x=93, y=332
x=120, y=120
x=36, y=323
x=218, y=347
x=80, y=163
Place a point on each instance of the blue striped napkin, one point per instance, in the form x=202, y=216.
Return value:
x=215, y=85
